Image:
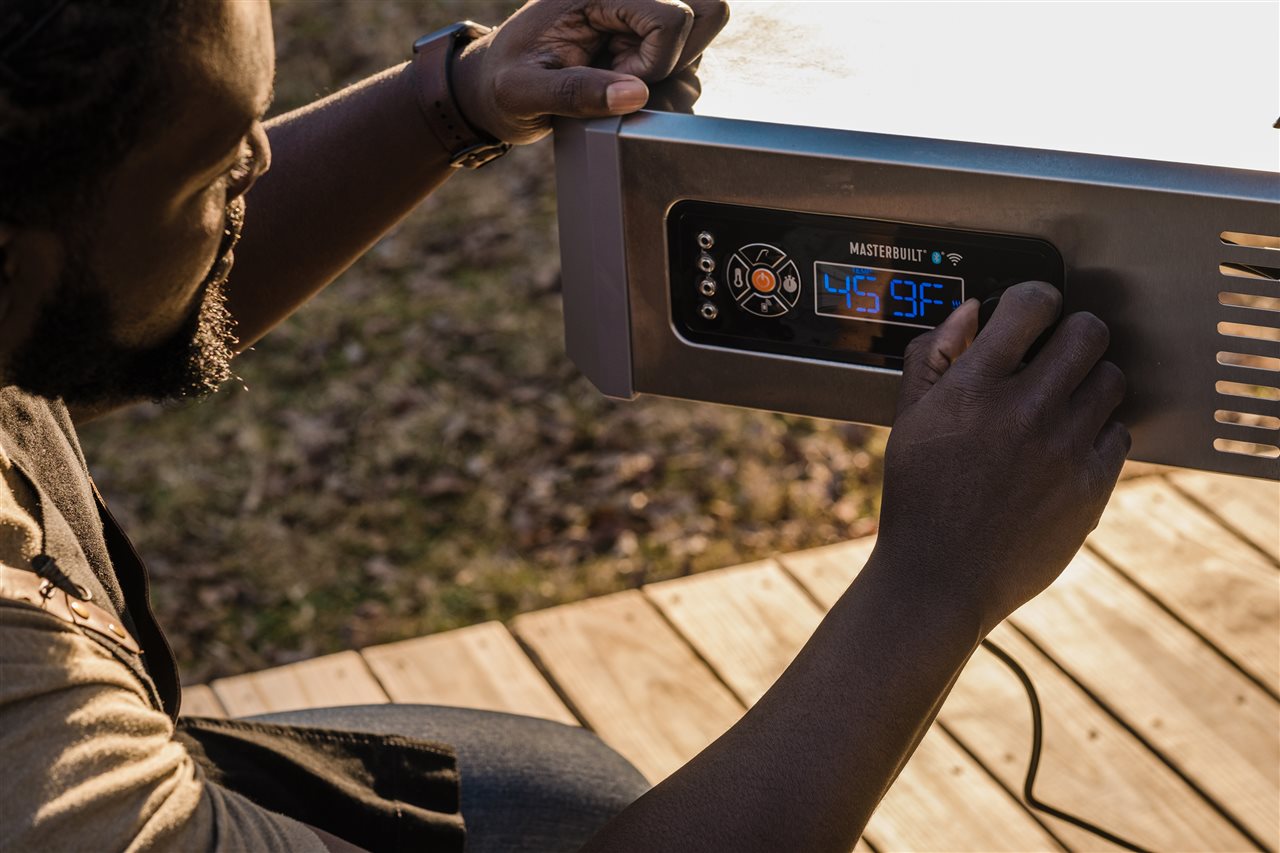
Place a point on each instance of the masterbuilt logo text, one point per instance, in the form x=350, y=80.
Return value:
x=880, y=250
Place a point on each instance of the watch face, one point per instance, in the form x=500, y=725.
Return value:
x=462, y=29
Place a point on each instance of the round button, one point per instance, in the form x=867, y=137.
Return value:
x=764, y=280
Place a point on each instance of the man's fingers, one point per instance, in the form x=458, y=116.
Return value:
x=678, y=93
x=663, y=27
x=1025, y=310
x=580, y=92
x=1069, y=356
x=1112, y=448
x=930, y=355
x=1096, y=398
x=709, y=18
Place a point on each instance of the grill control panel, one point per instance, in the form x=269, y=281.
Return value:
x=832, y=288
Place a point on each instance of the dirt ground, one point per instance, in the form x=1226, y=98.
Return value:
x=414, y=452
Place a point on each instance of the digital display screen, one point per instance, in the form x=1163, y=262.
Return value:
x=880, y=295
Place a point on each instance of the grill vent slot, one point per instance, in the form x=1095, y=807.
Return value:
x=1246, y=448
x=1224, y=416
x=1255, y=271
x=1254, y=241
x=1245, y=330
x=1249, y=328
x=1254, y=362
x=1248, y=300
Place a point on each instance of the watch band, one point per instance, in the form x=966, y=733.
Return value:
x=465, y=145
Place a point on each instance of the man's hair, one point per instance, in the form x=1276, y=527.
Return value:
x=79, y=79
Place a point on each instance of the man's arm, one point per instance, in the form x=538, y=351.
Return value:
x=347, y=168
x=994, y=474
x=805, y=768
x=344, y=171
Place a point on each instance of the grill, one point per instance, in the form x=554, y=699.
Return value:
x=1180, y=259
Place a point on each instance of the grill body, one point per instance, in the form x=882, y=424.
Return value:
x=1141, y=241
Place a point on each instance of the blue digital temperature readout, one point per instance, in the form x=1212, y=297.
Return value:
x=885, y=296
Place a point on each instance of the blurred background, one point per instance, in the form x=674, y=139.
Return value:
x=413, y=451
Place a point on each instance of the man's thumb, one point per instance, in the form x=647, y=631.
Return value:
x=578, y=92
x=931, y=354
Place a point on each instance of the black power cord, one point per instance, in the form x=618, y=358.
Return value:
x=1037, y=732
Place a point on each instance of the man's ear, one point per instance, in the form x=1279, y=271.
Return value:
x=32, y=262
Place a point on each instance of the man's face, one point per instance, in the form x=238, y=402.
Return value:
x=137, y=307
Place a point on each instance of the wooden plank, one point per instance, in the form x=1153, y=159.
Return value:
x=1125, y=786
x=1203, y=573
x=827, y=572
x=339, y=679
x=1164, y=682
x=480, y=666
x=1247, y=506
x=748, y=622
x=631, y=678
x=1090, y=765
x=198, y=701
x=943, y=800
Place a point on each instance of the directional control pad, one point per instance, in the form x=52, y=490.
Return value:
x=763, y=280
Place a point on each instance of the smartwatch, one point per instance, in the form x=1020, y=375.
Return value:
x=465, y=145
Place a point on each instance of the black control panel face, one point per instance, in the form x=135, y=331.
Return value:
x=832, y=287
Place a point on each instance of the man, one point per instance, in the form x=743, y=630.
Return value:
x=131, y=144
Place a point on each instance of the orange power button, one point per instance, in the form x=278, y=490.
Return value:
x=763, y=280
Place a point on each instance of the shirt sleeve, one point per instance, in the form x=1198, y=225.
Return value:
x=90, y=765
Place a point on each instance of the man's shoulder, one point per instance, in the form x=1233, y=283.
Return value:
x=21, y=410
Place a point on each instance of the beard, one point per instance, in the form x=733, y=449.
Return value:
x=71, y=354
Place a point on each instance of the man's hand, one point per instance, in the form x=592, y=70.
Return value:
x=994, y=474
x=995, y=471
x=582, y=58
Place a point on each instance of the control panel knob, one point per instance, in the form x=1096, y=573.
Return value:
x=763, y=280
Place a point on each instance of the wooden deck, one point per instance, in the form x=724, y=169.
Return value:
x=1156, y=655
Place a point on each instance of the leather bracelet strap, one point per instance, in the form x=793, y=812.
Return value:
x=34, y=591
x=465, y=145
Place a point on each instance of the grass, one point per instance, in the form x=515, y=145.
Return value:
x=413, y=451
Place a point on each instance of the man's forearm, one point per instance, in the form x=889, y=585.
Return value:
x=806, y=767
x=344, y=171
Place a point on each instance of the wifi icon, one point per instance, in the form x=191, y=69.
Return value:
x=955, y=258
